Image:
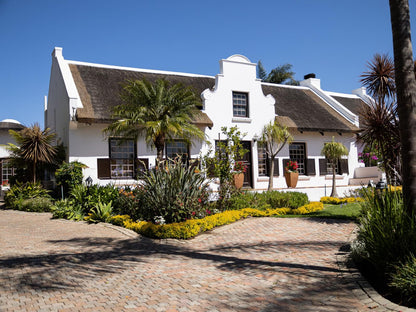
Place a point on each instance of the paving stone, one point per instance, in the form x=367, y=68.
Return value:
x=257, y=264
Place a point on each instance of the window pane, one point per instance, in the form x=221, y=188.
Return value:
x=176, y=148
x=7, y=172
x=297, y=153
x=262, y=159
x=240, y=104
x=122, y=158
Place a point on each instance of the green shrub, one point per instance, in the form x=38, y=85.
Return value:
x=66, y=209
x=173, y=191
x=129, y=202
x=387, y=234
x=69, y=174
x=37, y=204
x=273, y=199
x=403, y=280
x=100, y=213
x=86, y=198
x=21, y=191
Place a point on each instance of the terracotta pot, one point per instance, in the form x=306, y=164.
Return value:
x=291, y=178
x=238, y=180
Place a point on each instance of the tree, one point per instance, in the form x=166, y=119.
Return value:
x=158, y=110
x=379, y=79
x=406, y=95
x=333, y=152
x=274, y=137
x=33, y=147
x=379, y=119
x=281, y=74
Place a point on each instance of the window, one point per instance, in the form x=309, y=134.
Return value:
x=240, y=104
x=122, y=157
x=177, y=148
x=262, y=160
x=6, y=172
x=297, y=152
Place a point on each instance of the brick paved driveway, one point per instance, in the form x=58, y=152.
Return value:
x=258, y=264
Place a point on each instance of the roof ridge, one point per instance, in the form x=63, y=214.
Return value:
x=153, y=71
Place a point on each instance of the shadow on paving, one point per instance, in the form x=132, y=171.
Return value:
x=72, y=270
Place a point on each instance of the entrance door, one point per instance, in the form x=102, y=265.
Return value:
x=247, y=160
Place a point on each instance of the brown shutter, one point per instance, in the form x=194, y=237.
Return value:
x=276, y=167
x=310, y=167
x=103, y=168
x=343, y=163
x=322, y=166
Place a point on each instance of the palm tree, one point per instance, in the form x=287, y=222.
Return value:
x=333, y=152
x=280, y=74
x=274, y=137
x=33, y=147
x=159, y=111
x=380, y=127
x=379, y=79
x=406, y=95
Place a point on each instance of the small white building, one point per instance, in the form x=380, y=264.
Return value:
x=5, y=138
x=81, y=96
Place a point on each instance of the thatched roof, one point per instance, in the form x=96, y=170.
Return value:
x=99, y=89
x=353, y=104
x=301, y=108
x=296, y=107
x=10, y=124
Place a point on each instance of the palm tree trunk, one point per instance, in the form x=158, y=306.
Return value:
x=334, y=187
x=34, y=172
x=406, y=96
x=271, y=171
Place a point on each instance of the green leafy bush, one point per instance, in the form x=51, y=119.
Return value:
x=21, y=191
x=173, y=191
x=69, y=174
x=66, y=209
x=129, y=202
x=37, y=204
x=403, y=280
x=387, y=233
x=100, y=213
x=271, y=199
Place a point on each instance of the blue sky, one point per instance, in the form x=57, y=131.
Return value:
x=333, y=39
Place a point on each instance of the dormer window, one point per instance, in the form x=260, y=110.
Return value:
x=240, y=104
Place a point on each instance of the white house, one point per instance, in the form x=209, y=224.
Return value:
x=5, y=138
x=81, y=96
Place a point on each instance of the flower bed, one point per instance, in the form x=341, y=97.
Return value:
x=338, y=201
x=191, y=228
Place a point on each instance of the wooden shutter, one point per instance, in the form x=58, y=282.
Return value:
x=103, y=168
x=322, y=166
x=310, y=167
x=343, y=163
x=276, y=167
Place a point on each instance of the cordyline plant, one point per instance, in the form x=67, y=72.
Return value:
x=33, y=147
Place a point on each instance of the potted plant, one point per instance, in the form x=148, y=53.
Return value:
x=238, y=174
x=291, y=173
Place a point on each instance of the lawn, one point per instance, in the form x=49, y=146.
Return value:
x=349, y=211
